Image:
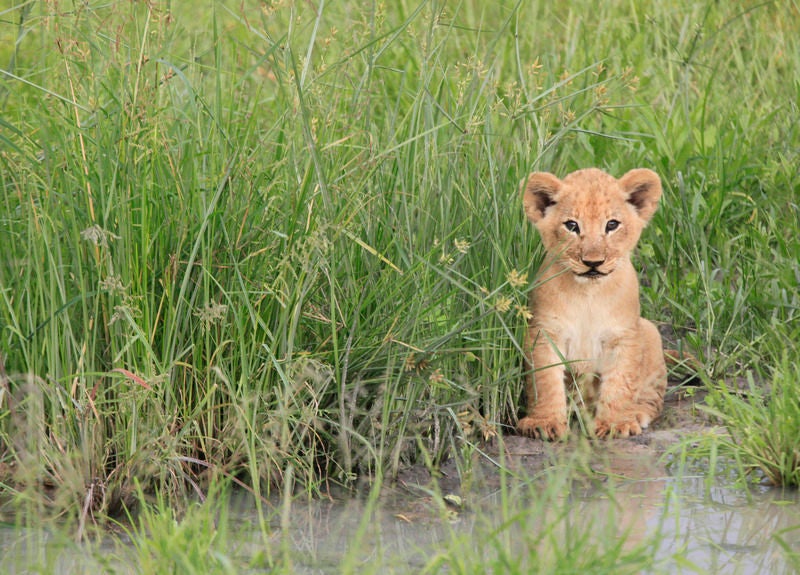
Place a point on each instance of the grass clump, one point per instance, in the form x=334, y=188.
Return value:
x=762, y=425
x=215, y=264
x=197, y=541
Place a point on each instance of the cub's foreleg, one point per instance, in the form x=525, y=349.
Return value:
x=546, y=415
x=632, y=390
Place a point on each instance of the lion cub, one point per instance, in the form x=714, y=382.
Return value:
x=586, y=337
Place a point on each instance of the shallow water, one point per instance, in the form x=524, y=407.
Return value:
x=702, y=530
x=31, y=550
x=730, y=531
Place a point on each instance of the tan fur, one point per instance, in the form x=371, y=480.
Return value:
x=586, y=337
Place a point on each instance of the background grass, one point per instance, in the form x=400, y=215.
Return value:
x=257, y=239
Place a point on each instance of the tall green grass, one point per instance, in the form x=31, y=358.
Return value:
x=264, y=239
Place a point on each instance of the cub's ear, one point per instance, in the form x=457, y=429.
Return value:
x=643, y=188
x=541, y=192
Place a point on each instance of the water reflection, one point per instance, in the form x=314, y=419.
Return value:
x=717, y=530
x=729, y=531
x=701, y=530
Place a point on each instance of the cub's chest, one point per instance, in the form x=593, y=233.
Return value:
x=584, y=335
x=587, y=330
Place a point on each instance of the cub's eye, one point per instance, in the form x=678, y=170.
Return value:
x=611, y=225
x=572, y=226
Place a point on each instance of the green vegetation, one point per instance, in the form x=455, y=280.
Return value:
x=262, y=240
x=762, y=428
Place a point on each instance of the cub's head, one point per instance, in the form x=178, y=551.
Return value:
x=590, y=221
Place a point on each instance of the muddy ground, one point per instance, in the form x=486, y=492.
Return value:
x=635, y=458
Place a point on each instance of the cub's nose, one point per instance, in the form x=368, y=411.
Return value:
x=593, y=263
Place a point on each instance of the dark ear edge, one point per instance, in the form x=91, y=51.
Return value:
x=541, y=191
x=643, y=188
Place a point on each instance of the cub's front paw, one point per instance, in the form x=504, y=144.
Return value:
x=536, y=427
x=627, y=428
